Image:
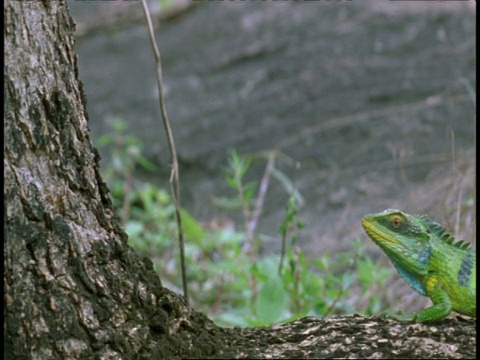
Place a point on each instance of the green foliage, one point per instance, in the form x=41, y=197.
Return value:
x=166, y=4
x=272, y=301
x=192, y=229
x=227, y=279
x=234, y=174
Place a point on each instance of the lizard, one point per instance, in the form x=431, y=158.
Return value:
x=429, y=259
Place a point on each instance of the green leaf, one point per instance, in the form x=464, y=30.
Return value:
x=134, y=228
x=232, y=182
x=227, y=203
x=366, y=271
x=191, y=227
x=249, y=190
x=238, y=165
x=105, y=139
x=235, y=317
x=146, y=164
x=118, y=124
x=272, y=301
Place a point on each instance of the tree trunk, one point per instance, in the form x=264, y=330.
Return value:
x=73, y=287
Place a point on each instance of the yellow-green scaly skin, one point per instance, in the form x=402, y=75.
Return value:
x=429, y=260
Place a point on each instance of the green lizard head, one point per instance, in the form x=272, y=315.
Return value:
x=405, y=240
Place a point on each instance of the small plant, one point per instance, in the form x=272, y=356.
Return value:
x=317, y=287
x=228, y=279
x=289, y=227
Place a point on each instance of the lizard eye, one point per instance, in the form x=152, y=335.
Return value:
x=396, y=222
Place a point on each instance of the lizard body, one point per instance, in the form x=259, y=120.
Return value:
x=429, y=260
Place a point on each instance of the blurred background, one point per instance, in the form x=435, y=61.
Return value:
x=359, y=105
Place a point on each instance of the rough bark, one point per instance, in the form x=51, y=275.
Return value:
x=73, y=287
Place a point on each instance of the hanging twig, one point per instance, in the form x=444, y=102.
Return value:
x=174, y=176
x=253, y=221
